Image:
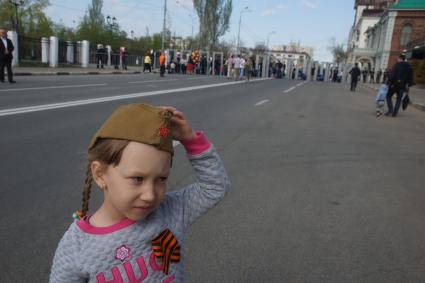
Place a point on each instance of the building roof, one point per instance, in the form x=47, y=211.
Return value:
x=408, y=5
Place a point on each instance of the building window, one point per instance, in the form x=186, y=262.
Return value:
x=406, y=32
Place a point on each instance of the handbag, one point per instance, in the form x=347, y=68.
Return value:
x=405, y=102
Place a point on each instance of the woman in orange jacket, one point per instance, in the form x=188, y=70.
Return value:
x=161, y=64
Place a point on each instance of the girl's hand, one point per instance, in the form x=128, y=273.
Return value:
x=180, y=128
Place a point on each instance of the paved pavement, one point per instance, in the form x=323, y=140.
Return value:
x=322, y=190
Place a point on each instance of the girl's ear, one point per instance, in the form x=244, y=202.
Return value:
x=98, y=171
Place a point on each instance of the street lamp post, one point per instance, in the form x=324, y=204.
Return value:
x=240, y=20
x=191, y=38
x=163, y=26
x=111, y=21
x=16, y=3
x=267, y=45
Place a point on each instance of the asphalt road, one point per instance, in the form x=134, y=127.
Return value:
x=322, y=190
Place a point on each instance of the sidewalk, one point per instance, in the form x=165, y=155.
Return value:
x=416, y=94
x=91, y=70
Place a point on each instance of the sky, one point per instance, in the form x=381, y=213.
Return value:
x=311, y=22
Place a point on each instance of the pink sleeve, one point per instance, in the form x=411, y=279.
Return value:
x=197, y=145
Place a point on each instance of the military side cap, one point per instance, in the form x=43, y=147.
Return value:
x=138, y=122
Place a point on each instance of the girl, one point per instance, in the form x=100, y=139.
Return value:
x=138, y=232
x=380, y=99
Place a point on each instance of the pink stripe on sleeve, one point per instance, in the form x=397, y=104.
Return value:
x=197, y=145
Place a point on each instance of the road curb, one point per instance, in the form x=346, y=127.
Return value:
x=75, y=73
x=414, y=104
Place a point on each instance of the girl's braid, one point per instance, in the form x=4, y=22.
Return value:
x=87, y=190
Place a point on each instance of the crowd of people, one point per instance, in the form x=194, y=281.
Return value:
x=234, y=67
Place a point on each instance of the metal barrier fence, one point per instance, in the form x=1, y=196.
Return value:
x=116, y=59
x=62, y=58
x=29, y=49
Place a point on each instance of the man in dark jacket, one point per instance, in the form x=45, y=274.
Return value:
x=6, y=56
x=101, y=56
x=399, y=80
x=355, y=74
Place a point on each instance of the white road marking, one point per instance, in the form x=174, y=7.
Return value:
x=50, y=87
x=261, y=102
x=154, y=81
x=294, y=87
x=289, y=89
x=36, y=108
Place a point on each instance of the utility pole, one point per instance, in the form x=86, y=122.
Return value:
x=240, y=20
x=163, y=26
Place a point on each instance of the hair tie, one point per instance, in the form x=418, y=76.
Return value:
x=77, y=215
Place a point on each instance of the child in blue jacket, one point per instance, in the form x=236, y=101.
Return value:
x=380, y=99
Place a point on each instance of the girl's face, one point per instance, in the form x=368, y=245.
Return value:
x=137, y=185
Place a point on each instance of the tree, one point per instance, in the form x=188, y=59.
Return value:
x=63, y=32
x=338, y=51
x=214, y=16
x=226, y=46
x=32, y=20
x=93, y=27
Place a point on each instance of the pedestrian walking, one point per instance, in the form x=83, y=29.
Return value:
x=123, y=55
x=203, y=65
x=378, y=76
x=399, y=81
x=380, y=99
x=230, y=66
x=237, y=67
x=139, y=225
x=340, y=76
x=172, y=67
x=372, y=76
x=183, y=65
x=386, y=74
x=147, y=62
x=279, y=70
x=335, y=75
x=242, y=69
x=364, y=73
x=6, y=56
x=312, y=70
x=355, y=74
x=161, y=64
x=248, y=69
x=100, y=56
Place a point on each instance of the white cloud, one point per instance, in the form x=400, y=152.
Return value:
x=274, y=10
x=309, y=4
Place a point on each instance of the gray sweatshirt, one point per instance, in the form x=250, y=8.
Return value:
x=123, y=251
